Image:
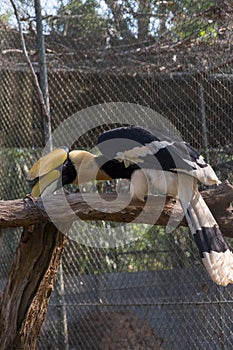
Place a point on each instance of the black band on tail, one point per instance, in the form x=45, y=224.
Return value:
x=210, y=239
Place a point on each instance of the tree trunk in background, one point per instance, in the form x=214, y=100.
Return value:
x=144, y=16
x=121, y=23
x=25, y=299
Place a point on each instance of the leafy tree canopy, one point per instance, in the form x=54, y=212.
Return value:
x=139, y=19
x=128, y=20
x=80, y=19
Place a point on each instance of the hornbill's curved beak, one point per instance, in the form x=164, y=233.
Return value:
x=53, y=170
x=61, y=167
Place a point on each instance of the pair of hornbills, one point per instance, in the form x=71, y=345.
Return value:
x=167, y=165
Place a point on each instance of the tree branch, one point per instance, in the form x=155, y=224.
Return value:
x=29, y=286
x=35, y=79
x=120, y=22
x=25, y=299
x=88, y=207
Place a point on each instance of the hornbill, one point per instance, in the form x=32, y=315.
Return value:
x=158, y=163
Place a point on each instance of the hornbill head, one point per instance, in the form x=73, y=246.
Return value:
x=61, y=167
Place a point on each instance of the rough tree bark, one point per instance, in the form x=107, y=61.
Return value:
x=24, y=302
x=30, y=283
x=25, y=299
x=88, y=207
x=144, y=17
x=119, y=20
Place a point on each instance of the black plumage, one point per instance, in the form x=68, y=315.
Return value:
x=152, y=161
x=176, y=154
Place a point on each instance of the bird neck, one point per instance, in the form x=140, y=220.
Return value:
x=87, y=167
x=90, y=167
x=113, y=168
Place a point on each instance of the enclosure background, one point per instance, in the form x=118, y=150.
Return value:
x=174, y=57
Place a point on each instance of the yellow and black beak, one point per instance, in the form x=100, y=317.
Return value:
x=51, y=171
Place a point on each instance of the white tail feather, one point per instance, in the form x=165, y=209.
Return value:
x=216, y=255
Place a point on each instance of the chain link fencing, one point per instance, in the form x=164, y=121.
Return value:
x=175, y=58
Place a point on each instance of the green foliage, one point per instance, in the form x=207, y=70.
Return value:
x=151, y=249
x=79, y=19
x=144, y=19
x=188, y=20
x=5, y=17
x=15, y=163
x=127, y=20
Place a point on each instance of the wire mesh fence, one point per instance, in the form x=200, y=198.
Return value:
x=174, y=57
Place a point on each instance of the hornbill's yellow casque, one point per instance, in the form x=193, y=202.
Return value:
x=167, y=165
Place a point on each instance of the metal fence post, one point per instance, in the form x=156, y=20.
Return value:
x=43, y=73
x=48, y=138
x=62, y=308
x=203, y=119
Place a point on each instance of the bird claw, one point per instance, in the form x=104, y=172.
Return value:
x=28, y=196
x=27, y=230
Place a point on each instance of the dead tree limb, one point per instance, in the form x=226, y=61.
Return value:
x=24, y=302
x=88, y=207
x=25, y=299
x=34, y=76
x=30, y=283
